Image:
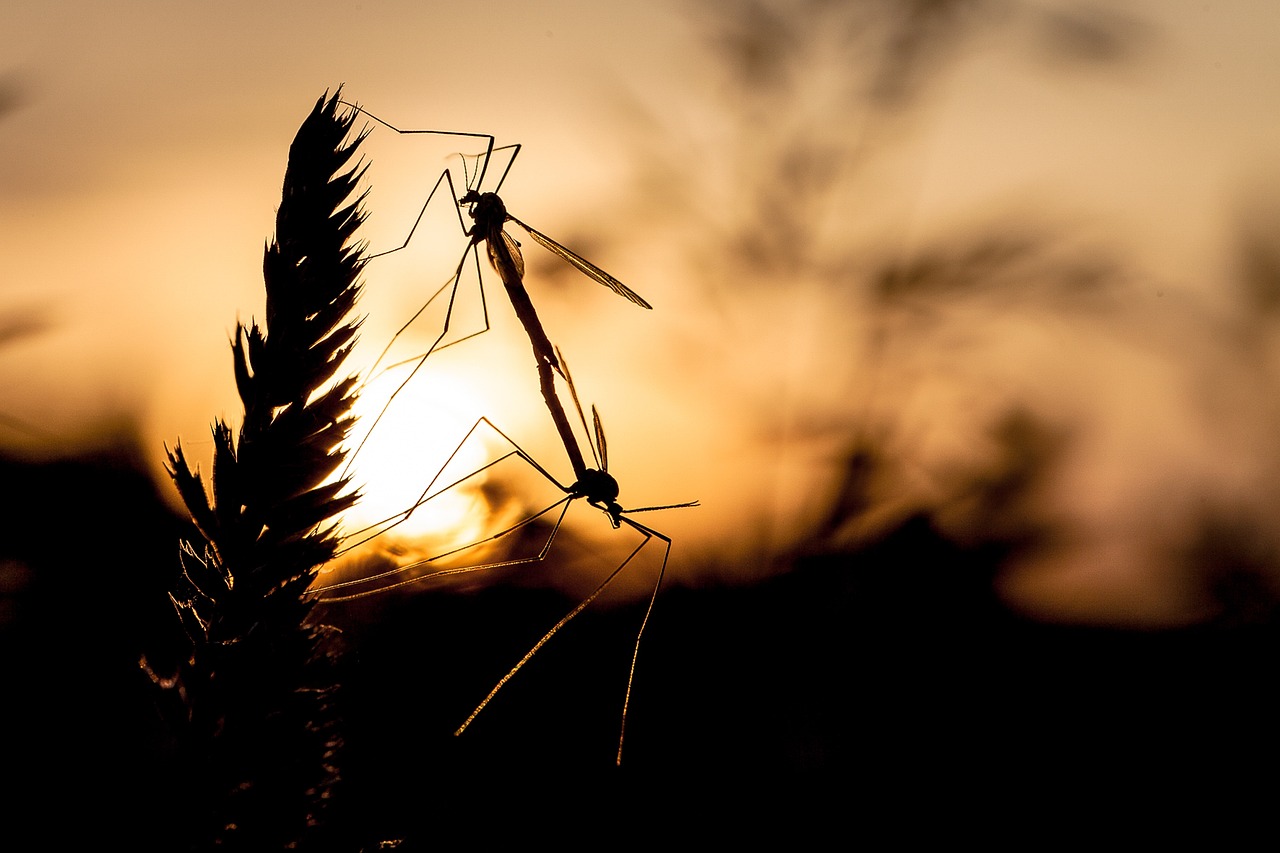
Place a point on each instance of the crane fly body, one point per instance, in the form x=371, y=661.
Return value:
x=489, y=216
x=595, y=485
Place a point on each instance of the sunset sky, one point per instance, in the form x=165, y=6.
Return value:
x=145, y=145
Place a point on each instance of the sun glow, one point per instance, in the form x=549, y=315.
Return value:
x=418, y=478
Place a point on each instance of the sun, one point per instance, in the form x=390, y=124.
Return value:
x=417, y=476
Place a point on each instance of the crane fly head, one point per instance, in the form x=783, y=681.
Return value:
x=486, y=208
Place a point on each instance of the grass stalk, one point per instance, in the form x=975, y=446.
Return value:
x=252, y=703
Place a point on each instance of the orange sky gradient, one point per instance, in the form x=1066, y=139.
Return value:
x=146, y=145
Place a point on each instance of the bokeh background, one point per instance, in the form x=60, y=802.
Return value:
x=995, y=282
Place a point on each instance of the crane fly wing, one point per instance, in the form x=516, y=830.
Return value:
x=604, y=451
x=583, y=265
x=577, y=404
x=513, y=249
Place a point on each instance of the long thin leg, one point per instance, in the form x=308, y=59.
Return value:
x=325, y=593
x=546, y=361
x=582, y=605
x=453, y=284
x=377, y=528
x=513, y=147
x=435, y=345
x=371, y=531
x=644, y=623
x=505, y=255
x=406, y=131
x=447, y=178
x=326, y=598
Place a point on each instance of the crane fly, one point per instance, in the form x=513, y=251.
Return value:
x=595, y=485
x=489, y=216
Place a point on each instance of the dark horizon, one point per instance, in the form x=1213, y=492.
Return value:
x=886, y=678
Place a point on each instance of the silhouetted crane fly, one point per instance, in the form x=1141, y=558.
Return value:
x=489, y=217
x=594, y=485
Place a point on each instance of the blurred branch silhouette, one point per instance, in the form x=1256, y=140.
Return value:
x=20, y=324
x=808, y=91
x=252, y=703
x=883, y=330
x=14, y=327
x=13, y=93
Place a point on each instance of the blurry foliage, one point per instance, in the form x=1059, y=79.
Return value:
x=808, y=95
x=12, y=93
x=807, y=92
x=23, y=323
x=1010, y=266
x=15, y=326
x=1259, y=263
x=989, y=502
x=776, y=183
x=1091, y=35
x=889, y=47
x=86, y=550
x=1239, y=562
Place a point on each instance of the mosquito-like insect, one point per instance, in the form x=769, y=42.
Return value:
x=596, y=485
x=489, y=216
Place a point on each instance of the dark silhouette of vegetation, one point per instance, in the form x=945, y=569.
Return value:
x=253, y=702
x=81, y=592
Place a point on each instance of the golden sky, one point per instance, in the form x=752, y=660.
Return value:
x=145, y=145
